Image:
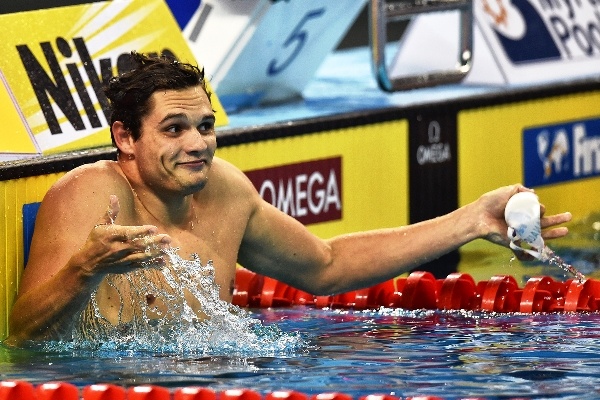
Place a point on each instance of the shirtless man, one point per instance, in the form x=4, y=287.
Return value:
x=168, y=189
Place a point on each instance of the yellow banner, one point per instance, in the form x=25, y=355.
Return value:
x=56, y=60
x=17, y=140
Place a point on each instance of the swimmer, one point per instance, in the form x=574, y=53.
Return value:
x=167, y=189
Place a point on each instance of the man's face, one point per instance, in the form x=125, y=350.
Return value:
x=177, y=143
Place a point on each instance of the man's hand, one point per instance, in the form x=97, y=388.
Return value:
x=112, y=248
x=492, y=206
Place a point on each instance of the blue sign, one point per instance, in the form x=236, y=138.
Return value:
x=561, y=153
x=183, y=10
x=30, y=211
x=520, y=49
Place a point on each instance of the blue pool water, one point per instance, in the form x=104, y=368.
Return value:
x=404, y=353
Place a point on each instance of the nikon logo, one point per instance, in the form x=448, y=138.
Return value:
x=72, y=87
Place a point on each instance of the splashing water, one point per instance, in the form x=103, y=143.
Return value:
x=550, y=256
x=192, y=318
x=547, y=255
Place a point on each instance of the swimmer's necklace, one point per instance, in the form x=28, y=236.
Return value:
x=194, y=216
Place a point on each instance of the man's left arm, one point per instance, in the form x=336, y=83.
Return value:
x=277, y=245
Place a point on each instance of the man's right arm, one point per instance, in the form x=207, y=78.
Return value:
x=75, y=244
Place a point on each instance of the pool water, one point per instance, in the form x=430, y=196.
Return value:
x=385, y=351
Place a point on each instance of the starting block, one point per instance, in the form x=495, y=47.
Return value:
x=261, y=51
x=384, y=12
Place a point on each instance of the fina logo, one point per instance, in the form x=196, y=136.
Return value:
x=554, y=157
x=545, y=30
x=561, y=153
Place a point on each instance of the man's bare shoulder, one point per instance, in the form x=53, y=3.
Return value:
x=98, y=177
x=229, y=175
x=103, y=169
x=78, y=199
x=229, y=182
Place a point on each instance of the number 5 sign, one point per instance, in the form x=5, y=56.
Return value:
x=258, y=51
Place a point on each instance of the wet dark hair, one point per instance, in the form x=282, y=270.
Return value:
x=129, y=93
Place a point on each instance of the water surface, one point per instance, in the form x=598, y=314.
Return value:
x=404, y=353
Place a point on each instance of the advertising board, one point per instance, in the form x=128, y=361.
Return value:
x=55, y=72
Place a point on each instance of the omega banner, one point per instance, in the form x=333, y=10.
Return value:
x=433, y=176
x=54, y=64
x=310, y=191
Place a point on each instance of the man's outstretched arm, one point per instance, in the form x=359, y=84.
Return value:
x=282, y=248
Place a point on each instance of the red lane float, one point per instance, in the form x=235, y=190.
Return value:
x=331, y=396
x=500, y=294
x=248, y=287
x=240, y=394
x=542, y=294
x=194, y=393
x=379, y=397
x=57, y=391
x=104, y=392
x=421, y=290
x=286, y=395
x=21, y=390
x=459, y=292
x=583, y=297
x=147, y=392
